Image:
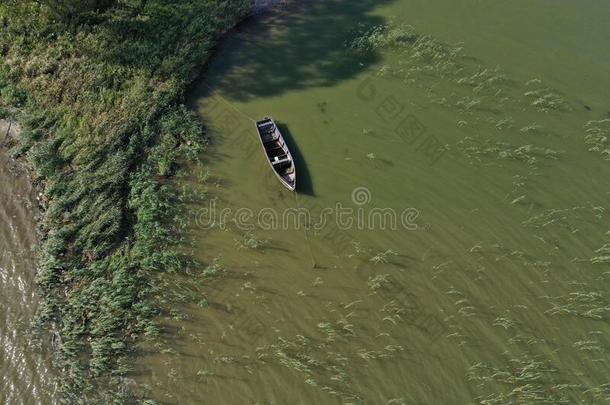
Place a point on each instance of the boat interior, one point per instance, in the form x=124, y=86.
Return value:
x=276, y=150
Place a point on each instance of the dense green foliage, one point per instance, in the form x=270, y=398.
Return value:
x=100, y=99
x=67, y=10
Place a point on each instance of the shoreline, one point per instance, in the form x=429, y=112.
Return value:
x=21, y=208
x=54, y=309
x=109, y=227
x=10, y=137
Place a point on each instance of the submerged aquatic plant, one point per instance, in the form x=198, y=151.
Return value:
x=419, y=53
x=477, y=150
x=214, y=269
x=546, y=100
x=251, y=241
x=586, y=304
x=603, y=255
x=530, y=380
x=526, y=380
x=533, y=128
x=379, y=281
x=597, y=137
x=382, y=257
x=383, y=36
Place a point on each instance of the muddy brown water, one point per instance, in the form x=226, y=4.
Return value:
x=26, y=376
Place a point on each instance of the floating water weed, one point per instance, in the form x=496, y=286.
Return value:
x=214, y=269
x=478, y=150
x=597, y=137
x=372, y=354
x=504, y=322
x=601, y=392
x=591, y=304
x=419, y=53
x=379, y=281
x=517, y=200
x=589, y=346
x=173, y=373
x=603, y=255
x=526, y=381
x=532, y=129
x=466, y=104
x=205, y=373
x=533, y=82
x=251, y=241
x=382, y=257
x=505, y=123
x=394, y=312
x=546, y=100
x=383, y=36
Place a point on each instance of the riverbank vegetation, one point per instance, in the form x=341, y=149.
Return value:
x=98, y=86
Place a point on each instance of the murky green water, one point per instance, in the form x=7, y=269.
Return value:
x=494, y=289
x=452, y=173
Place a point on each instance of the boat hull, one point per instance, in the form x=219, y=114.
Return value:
x=276, y=151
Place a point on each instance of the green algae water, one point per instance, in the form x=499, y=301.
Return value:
x=450, y=240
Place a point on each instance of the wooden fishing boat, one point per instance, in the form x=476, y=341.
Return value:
x=277, y=153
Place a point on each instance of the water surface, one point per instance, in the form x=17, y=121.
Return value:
x=26, y=375
x=496, y=292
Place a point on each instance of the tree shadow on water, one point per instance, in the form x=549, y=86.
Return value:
x=297, y=47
